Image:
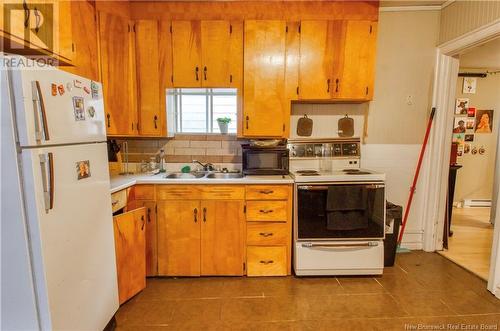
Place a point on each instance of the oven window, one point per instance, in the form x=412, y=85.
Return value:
x=340, y=211
x=263, y=161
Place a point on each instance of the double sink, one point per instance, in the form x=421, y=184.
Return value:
x=204, y=175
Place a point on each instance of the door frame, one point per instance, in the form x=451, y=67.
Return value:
x=438, y=153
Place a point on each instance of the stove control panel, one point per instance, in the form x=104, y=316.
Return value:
x=319, y=148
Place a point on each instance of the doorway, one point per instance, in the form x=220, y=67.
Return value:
x=468, y=232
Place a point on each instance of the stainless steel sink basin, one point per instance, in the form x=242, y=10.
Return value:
x=181, y=175
x=224, y=175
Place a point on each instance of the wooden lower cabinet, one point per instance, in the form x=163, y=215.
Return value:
x=130, y=245
x=267, y=260
x=151, y=234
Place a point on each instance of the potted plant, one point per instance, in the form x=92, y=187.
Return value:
x=223, y=124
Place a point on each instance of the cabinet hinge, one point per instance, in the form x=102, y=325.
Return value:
x=371, y=28
x=245, y=209
x=244, y=266
x=283, y=127
x=132, y=126
x=367, y=90
x=230, y=28
x=299, y=27
x=170, y=28
x=156, y=209
x=73, y=47
x=137, y=126
x=134, y=27
x=128, y=25
x=286, y=29
x=230, y=78
x=297, y=90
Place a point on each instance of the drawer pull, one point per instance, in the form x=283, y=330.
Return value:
x=195, y=211
x=266, y=234
x=266, y=211
x=266, y=261
x=113, y=203
x=266, y=191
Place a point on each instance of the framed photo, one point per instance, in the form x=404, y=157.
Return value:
x=484, y=121
x=458, y=138
x=460, y=151
x=461, y=106
x=471, y=112
x=470, y=124
x=469, y=137
x=459, y=125
x=469, y=85
x=466, y=148
x=78, y=108
x=83, y=169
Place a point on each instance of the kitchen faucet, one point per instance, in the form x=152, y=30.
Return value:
x=206, y=167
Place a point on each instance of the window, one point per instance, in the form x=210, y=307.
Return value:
x=196, y=110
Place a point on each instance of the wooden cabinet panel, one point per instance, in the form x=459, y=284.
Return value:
x=129, y=232
x=148, y=78
x=316, y=55
x=116, y=74
x=216, y=53
x=84, y=37
x=264, y=76
x=267, y=211
x=356, y=60
x=177, y=192
x=291, y=68
x=142, y=192
x=165, y=68
x=225, y=192
x=267, y=192
x=222, y=245
x=236, y=60
x=64, y=22
x=267, y=233
x=266, y=261
x=186, y=46
x=179, y=237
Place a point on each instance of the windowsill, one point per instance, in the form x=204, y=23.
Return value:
x=203, y=134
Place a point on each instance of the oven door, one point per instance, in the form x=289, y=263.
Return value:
x=340, y=211
x=265, y=161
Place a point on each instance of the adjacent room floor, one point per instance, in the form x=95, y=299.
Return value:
x=470, y=245
x=423, y=288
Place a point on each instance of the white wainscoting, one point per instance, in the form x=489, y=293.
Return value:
x=398, y=162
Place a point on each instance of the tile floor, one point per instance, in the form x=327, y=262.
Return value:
x=470, y=245
x=422, y=289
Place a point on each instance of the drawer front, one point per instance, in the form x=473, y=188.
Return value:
x=118, y=200
x=267, y=233
x=143, y=192
x=176, y=192
x=222, y=192
x=267, y=211
x=267, y=192
x=266, y=261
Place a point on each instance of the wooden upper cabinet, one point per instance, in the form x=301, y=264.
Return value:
x=186, y=49
x=117, y=74
x=264, y=105
x=130, y=248
x=179, y=237
x=216, y=53
x=316, y=57
x=355, y=65
x=148, y=78
x=222, y=243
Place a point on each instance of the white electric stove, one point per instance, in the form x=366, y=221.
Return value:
x=339, y=209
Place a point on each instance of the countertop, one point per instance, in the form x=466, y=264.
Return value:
x=118, y=183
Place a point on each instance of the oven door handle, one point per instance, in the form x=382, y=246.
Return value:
x=324, y=187
x=341, y=245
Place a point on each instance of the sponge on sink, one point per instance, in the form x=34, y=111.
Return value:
x=186, y=169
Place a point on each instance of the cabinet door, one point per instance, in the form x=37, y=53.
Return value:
x=179, y=237
x=315, y=72
x=264, y=79
x=216, y=53
x=148, y=77
x=356, y=62
x=129, y=229
x=116, y=74
x=222, y=246
x=151, y=234
x=65, y=47
x=84, y=28
x=186, y=48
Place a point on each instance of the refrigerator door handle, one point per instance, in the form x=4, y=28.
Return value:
x=48, y=180
x=39, y=106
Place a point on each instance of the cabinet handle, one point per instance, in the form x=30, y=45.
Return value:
x=143, y=222
x=26, y=14
x=155, y=119
x=37, y=20
x=266, y=191
x=195, y=215
x=337, y=85
x=204, y=215
x=328, y=85
x=247, y=119
x=196, y=73
x=108, y=116
x=266, y=261
x=266, y=234
x=205, y=73
x=149, y=215
x=266, y=211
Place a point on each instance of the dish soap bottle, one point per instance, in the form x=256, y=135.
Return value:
x=162, y=161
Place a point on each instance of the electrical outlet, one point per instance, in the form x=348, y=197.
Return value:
x=409, y=100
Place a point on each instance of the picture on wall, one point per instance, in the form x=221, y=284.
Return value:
x=469, y=85
x=459, y=125
x=460, y=150
x=458, y=138
x=471, y=112
x=484, y=121
x=469, y=137
x=461, y=106
x=466, y=148
x=469, y=124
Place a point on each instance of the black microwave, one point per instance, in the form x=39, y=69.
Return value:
x=265, y=160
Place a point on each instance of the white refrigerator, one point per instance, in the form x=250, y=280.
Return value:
x=58, y=255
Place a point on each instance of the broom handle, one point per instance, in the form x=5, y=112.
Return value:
x=417, y=173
